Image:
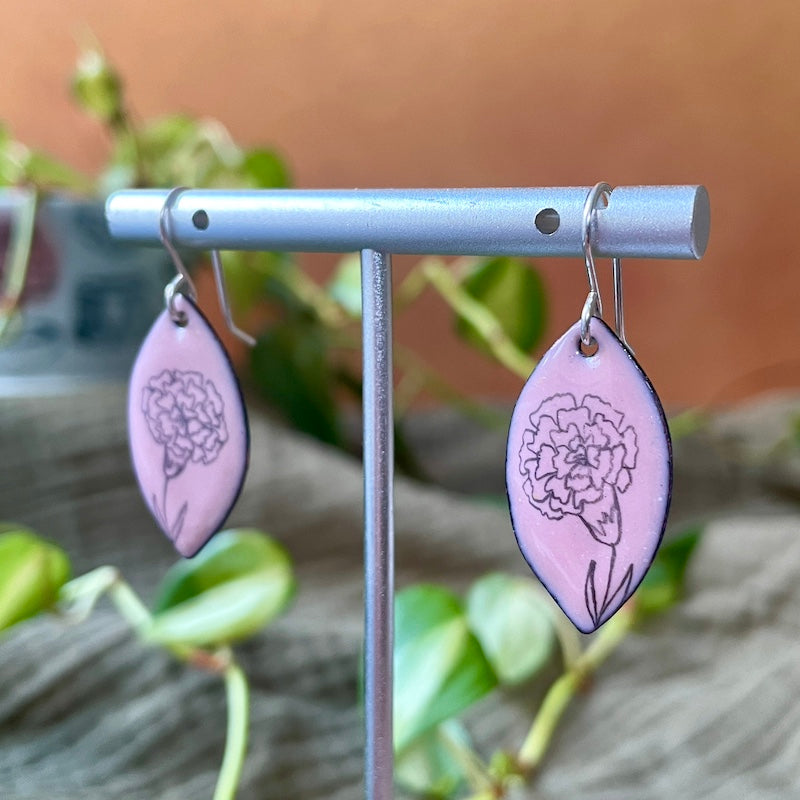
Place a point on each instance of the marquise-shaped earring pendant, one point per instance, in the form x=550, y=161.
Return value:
x=187, y=427
x=589, y=474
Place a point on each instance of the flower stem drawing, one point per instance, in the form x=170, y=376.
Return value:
x=576, y=459
x=162, y=515
x=186, y=415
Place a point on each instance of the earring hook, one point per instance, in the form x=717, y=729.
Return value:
x=619, y=311
x=224, y=304
x=182, y=283
x=593, y=307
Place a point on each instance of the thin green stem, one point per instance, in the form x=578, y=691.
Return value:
x=480, y=318
x=425, y=377
x=236, y=740
x=568, y=639
x=561, y=693
x=136, y=614
x=124, y=127
x=411, y=287
x=416, y=281
x=421, y=376
x=18, y=258
x=80, y=595
x=129, y=605
x=310, y=294
x=475, y=771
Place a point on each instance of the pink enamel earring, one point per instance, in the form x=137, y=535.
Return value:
x=187, y=424
x=589, y=461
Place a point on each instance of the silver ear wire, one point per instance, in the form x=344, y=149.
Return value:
x=182, y=282
x=224, y=304
x=593, y=307
x=619, y=311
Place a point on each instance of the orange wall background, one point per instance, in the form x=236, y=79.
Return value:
x=470, y=93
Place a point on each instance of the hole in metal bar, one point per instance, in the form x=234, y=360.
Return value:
x=200, y=220
x=547, y=221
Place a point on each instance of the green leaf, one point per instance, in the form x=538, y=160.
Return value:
x=514, y=292
x=9, y=167
x=31, y=573
x=176, y=150
x=265, y=169
x=795, y=427
x=13, y=157
x=514, y=624
x=686, y=423
x=663, y=585
x=439, y=667
x=97, y=87
x=244, y=279
x=118, y=175
x=430, y=765
x=290, y=367
x=345, y=286
x=46, y=172
x=238, y=583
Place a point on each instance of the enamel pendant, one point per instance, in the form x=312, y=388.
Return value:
x=589, y=474
x=187, y=427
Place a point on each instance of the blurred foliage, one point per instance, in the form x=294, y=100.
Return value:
x=450, y=655
x=514, y=622
x=662, y=587
x=440, y=667
x=305, y=363
x=432, y=765
x=514, y=293
x=32, y=571
x=238, y=583
x=235, y=587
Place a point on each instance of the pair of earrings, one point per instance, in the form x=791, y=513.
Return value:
x=187, y=423
x=589, y=461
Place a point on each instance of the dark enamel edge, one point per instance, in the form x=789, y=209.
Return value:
x=664, y=425
x=217, y=525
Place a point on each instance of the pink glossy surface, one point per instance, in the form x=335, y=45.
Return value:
x=589, y=475
x=187, y=429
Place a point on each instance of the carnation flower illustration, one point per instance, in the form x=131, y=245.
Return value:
x=576, y=459
x=186, y=415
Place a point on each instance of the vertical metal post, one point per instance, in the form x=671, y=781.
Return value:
x=376, y=294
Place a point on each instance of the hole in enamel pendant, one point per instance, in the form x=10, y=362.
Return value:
x=587, y=351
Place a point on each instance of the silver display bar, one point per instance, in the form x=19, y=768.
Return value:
x=639, y=222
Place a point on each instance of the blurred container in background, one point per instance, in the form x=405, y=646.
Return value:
x=87, y=304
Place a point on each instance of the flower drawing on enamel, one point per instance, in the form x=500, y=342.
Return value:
x=577, y=458
x=185, y=414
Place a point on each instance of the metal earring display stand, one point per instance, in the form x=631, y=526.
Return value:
x=667, y=222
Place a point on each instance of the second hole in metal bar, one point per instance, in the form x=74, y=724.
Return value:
x=547, y=221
